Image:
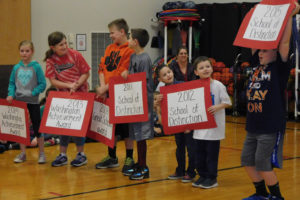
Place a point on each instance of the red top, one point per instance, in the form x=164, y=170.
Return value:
x=67, y=68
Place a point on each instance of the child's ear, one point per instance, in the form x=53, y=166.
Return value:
x=195, y=72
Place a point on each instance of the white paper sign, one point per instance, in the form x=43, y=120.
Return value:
x=128, y=99
x=186, y=107
x=266, y=22
x=100, y=120
x=66, y=113
x=13, y=121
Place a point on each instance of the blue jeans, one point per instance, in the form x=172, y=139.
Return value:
x=185, y=141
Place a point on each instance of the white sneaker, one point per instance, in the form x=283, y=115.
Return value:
x=20, y=158
x=42, y=159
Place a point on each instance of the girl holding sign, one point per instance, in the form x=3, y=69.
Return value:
x=26, y=82
x=67, y=70
x=208, y=140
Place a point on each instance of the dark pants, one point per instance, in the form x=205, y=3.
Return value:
x=35, y=116
x=207, y=155
x=183, y=141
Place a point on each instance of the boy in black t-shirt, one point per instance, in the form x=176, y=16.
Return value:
x=265, y=125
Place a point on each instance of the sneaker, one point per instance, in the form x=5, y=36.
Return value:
x=275, y=198
x=42, y=158
x=140, y=173
x=187, y=179
x=107, y=162
x=60, y=161
x=198, y=182
x=128, y=167
x=175, y=177
x=79, y=160
x=209, y=183
x=130, y=171
x=20, y=158
x=256, y=197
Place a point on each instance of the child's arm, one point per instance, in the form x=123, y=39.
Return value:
x=41, y=81
x=103, y=87
x=11, y=86
x=125, y=74
x=59, y=84
x=215, y=108
x=284, y=45
x=82, y=79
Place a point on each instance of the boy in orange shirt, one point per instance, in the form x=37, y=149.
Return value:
x=115, y=62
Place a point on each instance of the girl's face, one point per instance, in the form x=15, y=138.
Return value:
x=182, y=55
x=61, y=48
x=166, y=75
x=204, y=69
x=267, y=56
x=26, y=53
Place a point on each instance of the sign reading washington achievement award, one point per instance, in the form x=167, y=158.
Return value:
x=14, y=120
x=67, y=114
x=128, y=99
x=263, y=26
x=184, y=106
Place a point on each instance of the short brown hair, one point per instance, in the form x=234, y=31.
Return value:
x=199, y=60
x=141, y=35
x=120, y=24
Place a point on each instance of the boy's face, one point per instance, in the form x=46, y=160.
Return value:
x=204, y=69
x=267, y=56
x=166, y=75
x=115, y=34
x=132, y=42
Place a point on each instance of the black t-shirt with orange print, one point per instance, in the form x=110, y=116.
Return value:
x=266, y=96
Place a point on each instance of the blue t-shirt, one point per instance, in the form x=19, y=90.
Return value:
x=265, y=94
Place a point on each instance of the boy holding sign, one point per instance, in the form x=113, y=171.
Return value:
x=266, y=122
x=141, y=131
x=114, y=62
x=208, y=140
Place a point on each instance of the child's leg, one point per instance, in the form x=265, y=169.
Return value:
x=201, y=158
x=180, y=154
x=81, y=158
x=41, y=144
x=23, y=148
x=142, y=153
x=64, y=142
x=213, y=149
x=190, y=144
x=22, y=156
x=79, y=141
x=34, y=111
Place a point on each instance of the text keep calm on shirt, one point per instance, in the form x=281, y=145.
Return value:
x=265, y=96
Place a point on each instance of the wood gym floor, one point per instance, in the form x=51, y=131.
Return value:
x=30, y=180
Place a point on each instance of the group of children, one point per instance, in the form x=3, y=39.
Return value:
x=67, y=70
